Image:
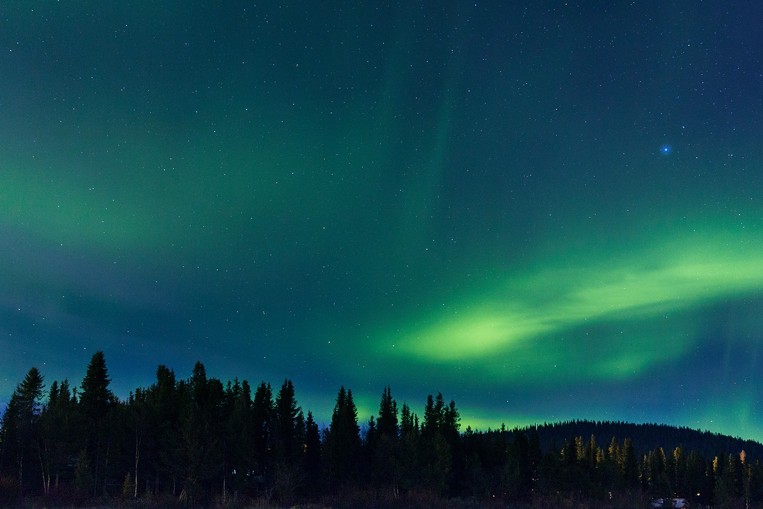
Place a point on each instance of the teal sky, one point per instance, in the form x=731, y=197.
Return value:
x=544, y=211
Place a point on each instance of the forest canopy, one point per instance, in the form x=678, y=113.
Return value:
x=203, y=442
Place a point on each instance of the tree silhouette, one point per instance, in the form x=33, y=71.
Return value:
x=19, y=429
x=343, y=441
x=96, y=403
x=262, y=417
x=288, y=427
x=59, y=425
x=313, y=456
x=199, y=441
x=385, y=451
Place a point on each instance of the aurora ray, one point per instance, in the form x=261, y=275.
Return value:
x=468, y=199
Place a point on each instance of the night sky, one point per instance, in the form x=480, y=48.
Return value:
x=545, y=211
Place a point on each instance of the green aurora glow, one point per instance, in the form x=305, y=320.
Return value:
x=465, y=199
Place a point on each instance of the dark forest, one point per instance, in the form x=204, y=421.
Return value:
x=201, y=442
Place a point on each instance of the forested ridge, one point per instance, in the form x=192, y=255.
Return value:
x=202, y=442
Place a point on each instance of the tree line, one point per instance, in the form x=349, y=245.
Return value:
x=202, y=442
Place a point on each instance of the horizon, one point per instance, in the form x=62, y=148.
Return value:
x=541, y=211
x=364, y=414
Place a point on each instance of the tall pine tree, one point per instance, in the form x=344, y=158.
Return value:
x=20, y=427
x=96, y=404
x=385, y=455
x=262, y=416
x=343, y=440
x=288, y=441
x=59, y=427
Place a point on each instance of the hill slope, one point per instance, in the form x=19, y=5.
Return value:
x=645, y=437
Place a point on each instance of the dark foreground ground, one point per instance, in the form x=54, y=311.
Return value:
x=376, y=500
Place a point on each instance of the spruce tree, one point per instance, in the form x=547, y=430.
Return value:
x=20, y=427
x=164, y=401
x=59, y=427
x=629, y=464
x=383, y=444
x=408, y=422
x=239, y=434
x=410, y=445
x=262, y=416
x=433, y=416
x=312, y=456
x=386, y=424
x=95, y=404
x=343, y=442
x=288, y=440
x=203, y=427
x=287, y=416
x=138, y=417
x=439, y=437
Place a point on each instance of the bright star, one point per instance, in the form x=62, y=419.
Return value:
x=666, y=149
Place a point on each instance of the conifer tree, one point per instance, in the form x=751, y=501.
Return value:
x=20, y=427
x=629, y=464
x=433, y=416
x=657, y=473
x=138, y=423
x=288, y=435
x=385, y=450
x=96, y=398
x=96, y=403
x=410, y=445
x=203, y=427
x=343, y=441
x=239, y=434
x=164, y=401
x=313, y=456
x=386, y=424
x=678, y=471
x=370, y=442
x=609, y=467
x=409, y=422
x=287, y=416
x=262, y=415
x=436, y=453
x=58, y=429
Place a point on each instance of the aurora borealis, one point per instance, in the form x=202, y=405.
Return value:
x=544, y=211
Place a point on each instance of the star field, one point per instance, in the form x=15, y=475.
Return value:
x=544, y=211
